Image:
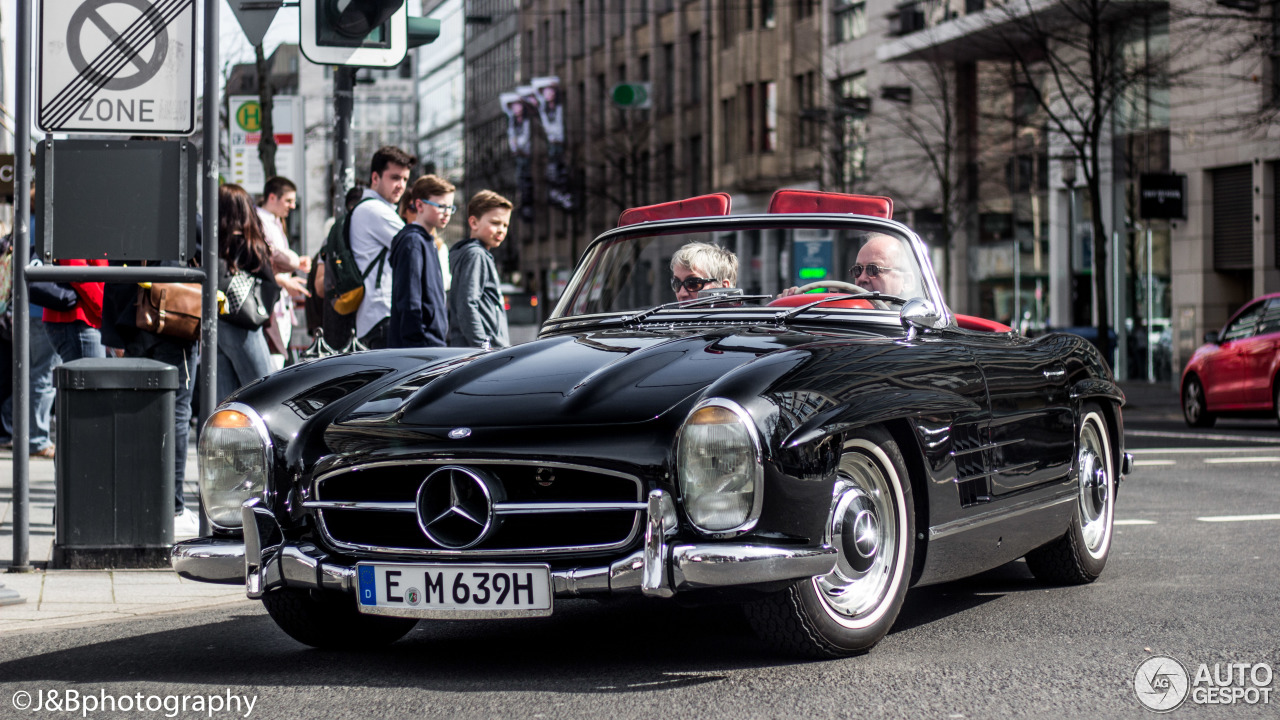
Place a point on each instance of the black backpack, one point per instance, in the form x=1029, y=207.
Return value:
x=344, y=283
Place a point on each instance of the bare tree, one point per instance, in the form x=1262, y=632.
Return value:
x=623, y=153
x=266, y=102
x=1072, y=58
x=1246, y=34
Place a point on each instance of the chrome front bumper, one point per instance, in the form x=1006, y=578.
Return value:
x=263, y=561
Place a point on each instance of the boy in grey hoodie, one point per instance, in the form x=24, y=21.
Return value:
x=476, y=314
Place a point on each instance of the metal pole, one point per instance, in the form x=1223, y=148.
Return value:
x=1151, y=309
x=344, y=82
x=1017, y=285
x=21, y=561
x=209, y=226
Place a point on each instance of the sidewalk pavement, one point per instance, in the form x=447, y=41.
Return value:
x=63, y=598
x=53, y=598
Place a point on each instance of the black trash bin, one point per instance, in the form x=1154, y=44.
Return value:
x=115, y=463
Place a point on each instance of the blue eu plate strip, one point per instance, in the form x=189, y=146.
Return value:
x=368, y=592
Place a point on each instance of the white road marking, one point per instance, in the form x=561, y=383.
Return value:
x=1238, y=518
x=1219, y=461
x=1203, y=436
x=1134, y=522
x=1140, y=463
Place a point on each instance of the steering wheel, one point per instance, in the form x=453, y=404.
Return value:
x=840, y=285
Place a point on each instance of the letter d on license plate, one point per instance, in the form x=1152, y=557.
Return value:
x=454, y=591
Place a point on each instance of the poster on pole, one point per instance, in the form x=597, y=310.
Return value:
x=246, y=131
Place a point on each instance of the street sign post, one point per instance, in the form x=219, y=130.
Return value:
x=117, y=67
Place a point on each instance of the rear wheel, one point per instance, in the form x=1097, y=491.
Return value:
x=1080, y=555
x=330, y=620
x=872, y=526
x=1194, y=409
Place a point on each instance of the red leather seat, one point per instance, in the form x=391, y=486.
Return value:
x=806, y=298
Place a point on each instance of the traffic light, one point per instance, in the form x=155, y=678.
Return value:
x=632, y=95
x=366, y=33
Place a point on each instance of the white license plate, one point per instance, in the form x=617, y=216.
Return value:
x=454, y=591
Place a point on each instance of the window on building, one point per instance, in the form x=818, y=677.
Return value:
x=695, y=68
x=644, y=178
x=619, y=17
x=564, y=36
x=695, y=165
x=850, y=20
x=668, y=170
x=852, y=148
x=807, y=104
x=749, y=112
x=768, y=116
x=805, y=9
x=727, y=25
x=666, y=93
x=546, y=47
x=1232, y=218
x=600, y=22
x=749, y=15
x=581, y=33
x=728, y=120
x=602, y=104
x=768, y=11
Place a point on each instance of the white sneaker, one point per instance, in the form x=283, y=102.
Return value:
x=185, y=525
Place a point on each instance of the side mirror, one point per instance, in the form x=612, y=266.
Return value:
x=1211, y=337
x=919, y=315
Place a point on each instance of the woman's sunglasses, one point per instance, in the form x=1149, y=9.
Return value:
x=691, y=284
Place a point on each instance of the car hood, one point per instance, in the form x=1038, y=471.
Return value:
x=604, y=377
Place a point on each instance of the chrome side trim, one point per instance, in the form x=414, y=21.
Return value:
x=985, y=446
x=707, y=566
x=358, y=505
x=211, y=560
x=1063, y=494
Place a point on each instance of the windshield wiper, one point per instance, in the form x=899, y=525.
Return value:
x=786, y=315
x=695, y=302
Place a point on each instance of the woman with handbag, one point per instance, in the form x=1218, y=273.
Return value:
x=248, y=282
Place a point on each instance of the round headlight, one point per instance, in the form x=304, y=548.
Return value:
x=234, y=462
x=719, y=467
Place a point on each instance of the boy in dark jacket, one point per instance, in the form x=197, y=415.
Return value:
x=476, y=314
x=419, y=314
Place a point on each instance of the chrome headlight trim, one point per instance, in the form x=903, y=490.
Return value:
x=260, y=426
x=757, y=479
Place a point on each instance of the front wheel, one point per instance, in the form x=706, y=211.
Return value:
x=872, y=526
x=331, y=620
x=1194, y=409
x=1081, y=553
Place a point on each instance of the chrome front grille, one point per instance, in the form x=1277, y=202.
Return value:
x=545, y=508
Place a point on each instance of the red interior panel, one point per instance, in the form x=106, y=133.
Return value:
x=806, y=298
x=814, y=201
x=969, y=322
x=701, y=206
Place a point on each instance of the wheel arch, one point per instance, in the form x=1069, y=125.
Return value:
x=913, y=455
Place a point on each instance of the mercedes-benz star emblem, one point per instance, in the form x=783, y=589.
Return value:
x=455, y=507
x=459, y=433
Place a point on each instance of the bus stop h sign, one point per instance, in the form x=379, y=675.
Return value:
x=117, y=67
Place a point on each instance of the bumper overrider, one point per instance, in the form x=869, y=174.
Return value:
x=265, y=561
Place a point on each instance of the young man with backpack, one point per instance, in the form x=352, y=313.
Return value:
x=419, y=315
x=371, y=226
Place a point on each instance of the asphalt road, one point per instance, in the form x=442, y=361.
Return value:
x=1187, y=578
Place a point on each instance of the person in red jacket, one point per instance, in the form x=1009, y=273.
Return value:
x=76, y=333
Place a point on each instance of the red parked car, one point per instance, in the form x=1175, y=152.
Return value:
x=1237, y=370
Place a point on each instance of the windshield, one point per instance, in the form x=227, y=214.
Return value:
x=635, y=271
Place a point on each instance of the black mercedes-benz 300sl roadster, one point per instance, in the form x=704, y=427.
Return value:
x=809, y=457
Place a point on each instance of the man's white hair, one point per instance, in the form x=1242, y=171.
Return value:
x=714, y=260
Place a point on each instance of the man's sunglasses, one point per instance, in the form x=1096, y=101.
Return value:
x=691, y=284
x=446, y=208
x=873, y=271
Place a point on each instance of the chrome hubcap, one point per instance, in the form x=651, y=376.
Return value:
x=1094, y=474
x=865, y=530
